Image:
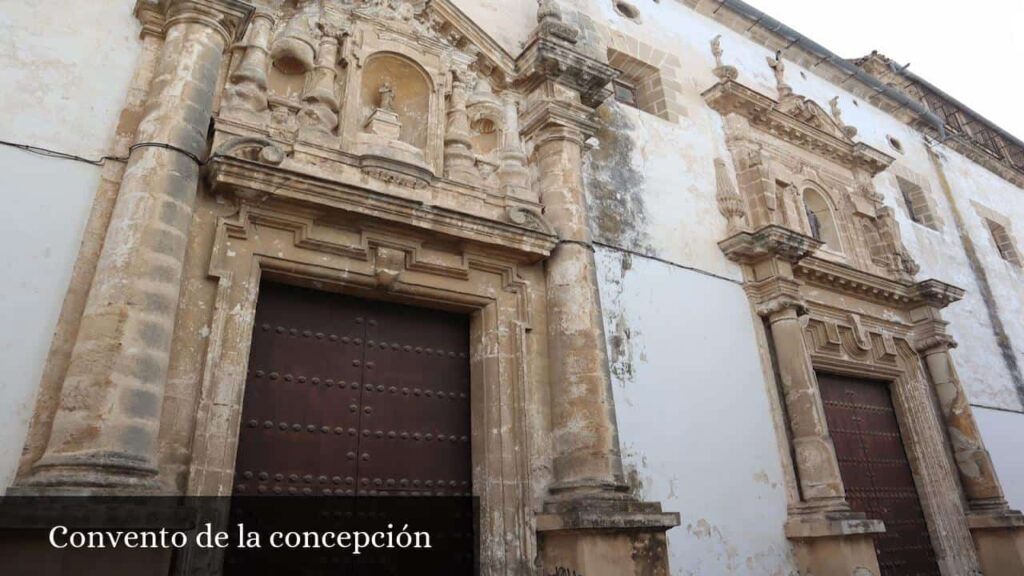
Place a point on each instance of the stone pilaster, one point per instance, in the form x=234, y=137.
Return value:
x=587, y=455
x=977, y=473
x=104, y=433
x=589, y=524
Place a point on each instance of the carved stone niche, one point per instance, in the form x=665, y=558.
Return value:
x=798, y=167
x=411, y=98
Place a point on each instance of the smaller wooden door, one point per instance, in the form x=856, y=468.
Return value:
x=876, y=473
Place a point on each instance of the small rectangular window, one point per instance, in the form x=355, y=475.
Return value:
x=625, y=93
x=639, y=85
x=1004, y=242
x=916, y=203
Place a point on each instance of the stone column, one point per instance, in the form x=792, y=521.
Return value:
x=512, y=174
x=586, y=443
x=997, y=530
x=977, y=473
x=458, y=149
x=319, y=116
x=821, y=486
x=104, y=434
x=246, y=93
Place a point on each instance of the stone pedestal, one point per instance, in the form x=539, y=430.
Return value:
x=604, y=538
x=835, y=546
x=384, y=123
x=999, y=540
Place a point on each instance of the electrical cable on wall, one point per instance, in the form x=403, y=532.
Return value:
x=102, y=160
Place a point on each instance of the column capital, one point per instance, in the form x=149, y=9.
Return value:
x=229, y=17
x=934, y=342
x=782, y=304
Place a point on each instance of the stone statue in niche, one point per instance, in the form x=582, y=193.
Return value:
x=384, y=121
x=386, y=99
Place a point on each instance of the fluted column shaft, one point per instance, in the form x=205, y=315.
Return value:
x=104, y=434
x=977, y=473
x=587, y=457
x=821, y=485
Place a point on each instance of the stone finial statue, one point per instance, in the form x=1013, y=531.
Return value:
x=837, y=113
x=716, y=50
x=549, y=22
x=387, y=97
x=721, y=71
x=779, y=68
x=548, y=10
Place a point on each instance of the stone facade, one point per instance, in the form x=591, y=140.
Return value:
x=659, y=243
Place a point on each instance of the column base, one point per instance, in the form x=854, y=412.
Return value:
x=835, y=543
x=95, y=473
x=999, y=540
x=602, y=537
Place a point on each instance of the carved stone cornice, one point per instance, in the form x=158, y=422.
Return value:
x=253, y=178
x=548, y=119
x=845, y=279
x=229, y=17
x=545, y=59
x=780, y=118
x=771, y=241
x=937, y=294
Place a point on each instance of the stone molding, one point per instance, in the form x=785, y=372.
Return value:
x=300, y=244
x=252, y=178
x=815, y=132
x=769, y=242
x=547, y=59
x=848, y=280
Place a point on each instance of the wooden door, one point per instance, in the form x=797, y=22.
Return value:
x=876, y=473
x=352, y=397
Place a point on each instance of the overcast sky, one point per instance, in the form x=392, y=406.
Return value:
x=974, y=51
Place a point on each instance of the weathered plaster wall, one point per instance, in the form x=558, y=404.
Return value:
x=694, y=414
x=651, y=190
x=65, y=74
x=1004, y=437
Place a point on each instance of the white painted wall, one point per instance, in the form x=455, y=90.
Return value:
x=694, y=415
x=669, y=426
x=65, y=75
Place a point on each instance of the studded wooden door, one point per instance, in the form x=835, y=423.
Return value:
x=875, y=470
x=354, y=397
